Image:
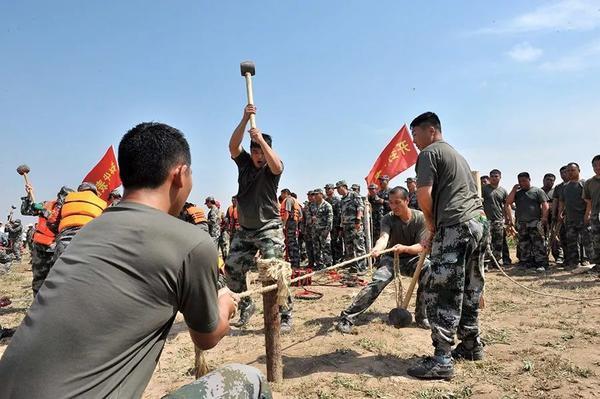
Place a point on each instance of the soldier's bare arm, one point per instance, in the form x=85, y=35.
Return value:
x=235, y=142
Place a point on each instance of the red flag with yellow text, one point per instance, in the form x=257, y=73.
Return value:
x=399, y=155
x=105, y=175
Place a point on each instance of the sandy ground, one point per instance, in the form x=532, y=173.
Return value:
x=536, y=346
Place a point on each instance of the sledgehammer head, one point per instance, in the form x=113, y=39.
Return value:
x=399, y=317
x=247, y=67
x=23, y=169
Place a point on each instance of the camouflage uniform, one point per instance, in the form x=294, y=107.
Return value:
x=385, y=196
x=229, y=382
x=532, y=244
x=354, y=240
x=455, y=282
x=337, y=246
x=15, y=231
x=323, y=223
x=214, y=224
x=376, y=215
x=268, y=240
x=381, y=278
x=307, y=232
x=412, y=200
x=579, y=245
x=595, y=238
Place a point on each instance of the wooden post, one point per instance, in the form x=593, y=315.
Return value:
x=272, y=342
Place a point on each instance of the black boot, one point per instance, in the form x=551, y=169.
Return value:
x=246, y=312
x=429, y=368
x=469, y=350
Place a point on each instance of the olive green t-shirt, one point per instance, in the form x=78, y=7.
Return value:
x=405, y=233
x=572, y=196
x=528, y=204
x=494, y=199
x=98, y=325
x=591, y=191
x=455, y=197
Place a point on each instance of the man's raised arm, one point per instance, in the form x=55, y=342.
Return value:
x=235, y=142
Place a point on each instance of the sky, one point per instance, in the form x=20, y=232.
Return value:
x=515, y=84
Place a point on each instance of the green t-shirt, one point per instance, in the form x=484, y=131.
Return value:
x=572, y=196
x=528, y=204
x=98, y=325
x=591, y=191
x=494, y=199
x=455, y=197
x=409, y=233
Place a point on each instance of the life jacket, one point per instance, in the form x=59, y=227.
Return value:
x=42, y=234
x=79, y=209
x=297, y=210
x=197, y=214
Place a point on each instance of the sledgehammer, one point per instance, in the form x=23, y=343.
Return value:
x=23, y=170
x=248, y=70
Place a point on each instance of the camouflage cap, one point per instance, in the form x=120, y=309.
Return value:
x=86, y=186
x=341, y=183
x=209, y=199
x=355, y=187
x=318, y=191
x=329, y=186
x=383, y=177
x=310, y=192
x=372, y=186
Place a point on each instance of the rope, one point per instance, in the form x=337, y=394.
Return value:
x=540, y=292
x=276, y=270
x=397, y=281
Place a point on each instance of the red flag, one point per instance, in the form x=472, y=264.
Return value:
x=105, y=175
x=399, y=155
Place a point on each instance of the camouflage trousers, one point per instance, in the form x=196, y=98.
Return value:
x=497, y=238
x=268, y=240
x=595, y=238
x=455, y=283
x=337, y=245
x=292, y=247
x=376, y=221
x=354, y=246
x=224, y=241
x=15, y=247
x=532, y=244
x=41, y=263
x=63, y=239
x=322, y=249
x=309, y=247
x=229, y=382
x=579, y=244
x=381, y=278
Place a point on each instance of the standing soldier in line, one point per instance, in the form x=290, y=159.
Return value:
x=494, y=199
x=384, y=193
x=572, y=206
x=194, y=215
x=78, y=209
x=258, y=210
x=291, y=215
x=556, y=217
x=411, y=184
x=352, y=209
x=307, y=228
x=458, y=237
x=14, y=228
x=548, y=188
x=356, y=188
x=224, y=238
x=376, y=211
x=591, y=195
x=231, y=219
x=214, y=222
x=43, y=237
x=532, y=215
x=337, y=245
x=323, y=223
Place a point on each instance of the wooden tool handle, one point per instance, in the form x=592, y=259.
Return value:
x=27, y=183
x=250, y=96
x=415, y=277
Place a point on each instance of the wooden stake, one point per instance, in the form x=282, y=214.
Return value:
x=272, y=342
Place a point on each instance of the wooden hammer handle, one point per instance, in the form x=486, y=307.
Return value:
x=415, y=277
x=250, y=95
x=27, y=183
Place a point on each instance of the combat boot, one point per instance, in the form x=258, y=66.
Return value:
x=469, y=351
x=285, y=324
x=245, y=315
x=429, y=368
x=344, y=326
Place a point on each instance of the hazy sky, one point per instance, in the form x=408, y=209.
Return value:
x=515, y=84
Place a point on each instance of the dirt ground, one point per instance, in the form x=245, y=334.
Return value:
x=536, y=346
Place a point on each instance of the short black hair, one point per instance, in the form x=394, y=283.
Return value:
x=495, y=171
x=596, y=159
x=294, y=195
x=523, y=174
x=266, y=137
x=400, y=190
x=286, y=190
x=573, y=163
x=484, y=177
x=427, y=118
x=147, y=153
x=563, y=168
x=550, y=175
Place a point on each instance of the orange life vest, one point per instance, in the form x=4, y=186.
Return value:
x=42, y=234
x=296, y=209
x=80, y=208
x=197, y=214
